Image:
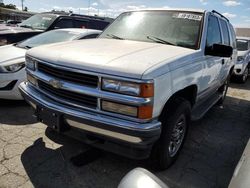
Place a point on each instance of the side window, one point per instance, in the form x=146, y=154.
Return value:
x=225, y=32
x=90, y=36
x=81, y=24
x=213, y=32
x=64, y=23
x=233, y=42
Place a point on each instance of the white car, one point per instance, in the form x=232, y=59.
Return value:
x=135, y=88
x=12, y=61
x=241, y=69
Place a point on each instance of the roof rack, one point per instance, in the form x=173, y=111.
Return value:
x=214, y=11
x=93, y=17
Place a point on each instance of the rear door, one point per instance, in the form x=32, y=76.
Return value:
x=226, y=62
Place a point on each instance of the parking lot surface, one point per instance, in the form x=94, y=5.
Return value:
x=33, y=156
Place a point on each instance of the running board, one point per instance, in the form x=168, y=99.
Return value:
x=200, y=110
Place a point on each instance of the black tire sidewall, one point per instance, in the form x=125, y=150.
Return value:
x=169, y=118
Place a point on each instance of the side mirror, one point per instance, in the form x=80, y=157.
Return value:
x=141, y=178
x=219, y=50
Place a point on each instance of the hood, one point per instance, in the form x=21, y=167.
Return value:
x=10, y=53
x=12, y=29
x=109, y=56
x=242, y=53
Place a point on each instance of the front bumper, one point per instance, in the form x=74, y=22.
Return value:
x=240, y=68
x=135, y=140
x=9, y=83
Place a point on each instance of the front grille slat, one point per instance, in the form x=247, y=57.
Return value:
x=75, y=77
x=81, y=99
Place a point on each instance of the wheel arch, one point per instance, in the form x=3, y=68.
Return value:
x=189, y=93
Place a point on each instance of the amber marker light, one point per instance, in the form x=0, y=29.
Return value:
x=147, y=90
x=145, y=112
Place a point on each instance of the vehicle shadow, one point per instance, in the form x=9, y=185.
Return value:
x=15, y=113
x=210, y=154
x=235, y=84
x=47, y=167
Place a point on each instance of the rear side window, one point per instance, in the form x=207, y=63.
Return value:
x=213, y=32
x=225, y=32
x=64, y=23
x=233, y=36
x=81, y=24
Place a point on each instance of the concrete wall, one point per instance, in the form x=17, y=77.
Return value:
x=243, y=32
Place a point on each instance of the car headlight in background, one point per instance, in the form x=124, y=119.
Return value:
x=12, y=68
x=30, y=63
x=128, y=88
x=240, y=58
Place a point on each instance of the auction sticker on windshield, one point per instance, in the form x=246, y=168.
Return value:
x=188, y=16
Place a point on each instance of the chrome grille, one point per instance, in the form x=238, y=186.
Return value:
x=80, y=99
x=62, y=74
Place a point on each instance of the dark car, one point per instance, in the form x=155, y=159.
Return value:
x=48, y=21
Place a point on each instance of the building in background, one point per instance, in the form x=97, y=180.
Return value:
x=17, y=15
x=243, y=32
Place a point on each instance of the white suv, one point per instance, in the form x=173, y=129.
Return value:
x=241, y=69
x=134, y=90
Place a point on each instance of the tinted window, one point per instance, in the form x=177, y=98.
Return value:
x=225, y=32
x=167, y=27
x=213, y=31
x=39, y=21
x=242, y=45
x=64, y=23
x=81, y=24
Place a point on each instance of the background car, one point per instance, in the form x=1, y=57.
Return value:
x=241, y=69
x=43, y=22
x=12, y=64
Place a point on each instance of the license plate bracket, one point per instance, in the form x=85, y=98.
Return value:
x=49, y=118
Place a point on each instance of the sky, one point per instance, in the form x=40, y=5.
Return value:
x=238, y=11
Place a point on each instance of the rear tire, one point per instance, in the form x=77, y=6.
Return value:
x=175, y=123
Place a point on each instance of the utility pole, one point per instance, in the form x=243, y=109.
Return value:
x=88, y=7
x=22, y=4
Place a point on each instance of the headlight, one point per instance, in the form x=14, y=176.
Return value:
x=30, y=63
x=240, y=58
x=12, y=68
x=119, y=108
x=141, y=112
x=128, y=88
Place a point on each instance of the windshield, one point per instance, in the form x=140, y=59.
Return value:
x=39, y=21
x=48, y=38
x=167, y=27
x=242, y=45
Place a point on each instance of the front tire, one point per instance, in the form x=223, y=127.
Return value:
x=175, y=121
x=244, y=77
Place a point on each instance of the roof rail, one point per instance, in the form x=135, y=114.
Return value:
x=214, y=11
x=87, y=16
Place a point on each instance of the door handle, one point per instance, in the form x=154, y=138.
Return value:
x=223, y=61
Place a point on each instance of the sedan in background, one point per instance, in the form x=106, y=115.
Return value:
x=12, y=62
x=242, y=67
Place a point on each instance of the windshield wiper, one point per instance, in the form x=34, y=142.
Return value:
x=26, y=26
x=115, y=37
x=159, y=40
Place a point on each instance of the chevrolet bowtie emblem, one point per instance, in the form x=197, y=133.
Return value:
x=55, y=83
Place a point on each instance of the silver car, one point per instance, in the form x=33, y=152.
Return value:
x=242, y=67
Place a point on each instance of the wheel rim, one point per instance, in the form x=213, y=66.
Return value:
x=177, y=136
